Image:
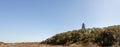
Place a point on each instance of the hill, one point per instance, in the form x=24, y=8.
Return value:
x=106, y=36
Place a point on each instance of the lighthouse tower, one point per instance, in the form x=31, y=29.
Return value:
x=83, y=26
x=83, y=29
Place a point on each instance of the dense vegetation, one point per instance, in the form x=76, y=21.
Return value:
x=106, y=36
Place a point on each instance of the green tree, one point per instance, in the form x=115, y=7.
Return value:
x=105, y=39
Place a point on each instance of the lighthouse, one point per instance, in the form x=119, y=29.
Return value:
x=83, y=28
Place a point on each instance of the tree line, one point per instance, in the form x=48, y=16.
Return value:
x=106, y=36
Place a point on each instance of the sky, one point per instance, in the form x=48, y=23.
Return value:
x=37, y=20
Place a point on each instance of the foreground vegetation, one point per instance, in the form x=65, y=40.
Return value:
x=28, y=45
x=107, y=36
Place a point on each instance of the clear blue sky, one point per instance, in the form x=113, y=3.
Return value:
x=36, y=20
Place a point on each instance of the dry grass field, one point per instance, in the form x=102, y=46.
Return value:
x=34, y=45
x=26, y=45
x=37, y=45
x=43, y=45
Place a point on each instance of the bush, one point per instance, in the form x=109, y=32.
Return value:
x=105, y=39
